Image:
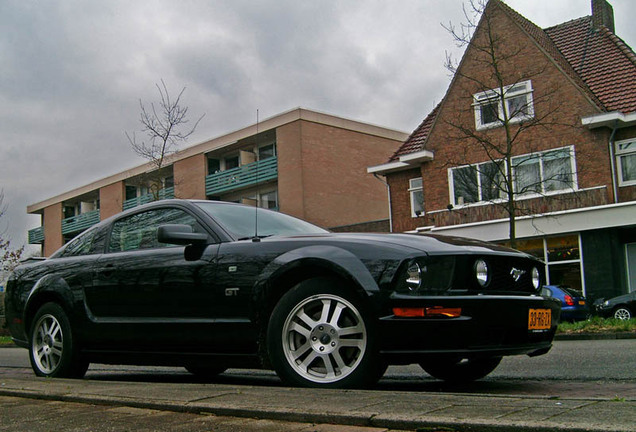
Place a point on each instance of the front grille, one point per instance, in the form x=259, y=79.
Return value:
x=508, y=274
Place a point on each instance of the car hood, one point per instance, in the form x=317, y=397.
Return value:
x=428, y=243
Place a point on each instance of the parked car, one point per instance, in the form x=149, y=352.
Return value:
x=212, y=285
x=621, y=307
x=574, y=306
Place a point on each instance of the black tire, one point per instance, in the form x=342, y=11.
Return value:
x=622, y=313
x=458, y=371
x=53, y=350
x=321, y=335
x=206, y=372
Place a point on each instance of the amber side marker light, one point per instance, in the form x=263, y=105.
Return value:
x=430, y=312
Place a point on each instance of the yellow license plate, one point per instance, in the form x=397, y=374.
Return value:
x=539, y=319
x=582, y=302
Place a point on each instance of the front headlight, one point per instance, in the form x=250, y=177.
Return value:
x=536, y=278
x=482, y=273
x=413, y=276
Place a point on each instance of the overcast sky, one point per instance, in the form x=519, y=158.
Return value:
x=72, y=73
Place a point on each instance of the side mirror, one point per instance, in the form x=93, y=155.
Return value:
x=180, y=235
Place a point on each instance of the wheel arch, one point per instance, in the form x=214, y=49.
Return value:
x=50, y=288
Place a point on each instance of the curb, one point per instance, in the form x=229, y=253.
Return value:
x=433, y=422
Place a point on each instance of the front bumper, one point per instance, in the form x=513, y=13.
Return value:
x=489, y=326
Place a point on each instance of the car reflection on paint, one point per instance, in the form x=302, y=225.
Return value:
x=212, y=285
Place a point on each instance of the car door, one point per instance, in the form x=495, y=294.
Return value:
x=145, y=295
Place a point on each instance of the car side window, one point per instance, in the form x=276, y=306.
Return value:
x=81, y=245
x=139, y=231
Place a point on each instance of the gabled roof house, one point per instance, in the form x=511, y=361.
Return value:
x=554, y=112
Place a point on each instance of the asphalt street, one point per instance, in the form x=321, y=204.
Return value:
x=590, y=368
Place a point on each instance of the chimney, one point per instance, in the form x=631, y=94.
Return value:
x=602, y=15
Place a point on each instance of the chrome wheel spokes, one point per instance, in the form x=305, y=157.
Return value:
x=47, y=344
x=324, y=338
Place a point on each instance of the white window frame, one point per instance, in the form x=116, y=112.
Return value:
x=624, y=148
x=523, y=88
x=413, y=189
x=538, y=156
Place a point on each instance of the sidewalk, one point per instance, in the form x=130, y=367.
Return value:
x=381, y=409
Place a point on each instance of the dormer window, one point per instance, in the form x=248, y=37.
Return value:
x=516, y=100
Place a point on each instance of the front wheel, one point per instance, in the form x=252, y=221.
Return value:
x=622, y=313
x=458, y=370
x=53, y=351
x=321, y=335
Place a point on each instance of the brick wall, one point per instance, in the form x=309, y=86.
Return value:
x=323, y=174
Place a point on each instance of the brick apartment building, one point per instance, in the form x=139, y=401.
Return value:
x=566, y=95
x=304, y=163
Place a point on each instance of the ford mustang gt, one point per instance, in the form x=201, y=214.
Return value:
x=211, y=285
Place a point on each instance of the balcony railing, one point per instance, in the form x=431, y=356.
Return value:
x=36, y=235
x=80, y=222
x=243, y=176
x=166, y=193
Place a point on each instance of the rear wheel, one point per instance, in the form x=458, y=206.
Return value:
x=321, y=335
x=53, y=351
x=622, y=313
x=458, y=370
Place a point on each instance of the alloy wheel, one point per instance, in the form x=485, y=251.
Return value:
x=324, y=338
x=47, y=344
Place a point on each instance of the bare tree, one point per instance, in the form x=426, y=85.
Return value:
x=165, y=127
x=501, y=111
x=9, y=256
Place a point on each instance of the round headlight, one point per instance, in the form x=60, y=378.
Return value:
x=536, y=278
x=482, y=273
x=414, y=276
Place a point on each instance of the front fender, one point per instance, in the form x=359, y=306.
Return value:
x=336, y=259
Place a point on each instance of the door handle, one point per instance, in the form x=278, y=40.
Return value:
x=108, y=270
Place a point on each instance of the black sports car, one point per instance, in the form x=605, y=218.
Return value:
x=212, y=285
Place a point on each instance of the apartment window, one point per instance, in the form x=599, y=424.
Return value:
x=536, y=173
x=266, y=152
x=417, y=197
x=269, y=200
x=231, y=162
x=492, y=107
x=214, y=166
x=626, y=162
x=544, y=172
x=475, y=183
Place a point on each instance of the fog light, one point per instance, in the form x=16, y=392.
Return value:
x=414, y=276
x=482, y=273
x=536, y=278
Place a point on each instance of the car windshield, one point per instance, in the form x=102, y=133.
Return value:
x=241, y=221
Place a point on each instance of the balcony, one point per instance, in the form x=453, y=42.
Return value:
x=241, y=177
x=80, y=222
x=166, y=193
x=36, y=235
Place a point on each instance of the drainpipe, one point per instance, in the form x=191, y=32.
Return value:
x=613, y=162
x=388, y=188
